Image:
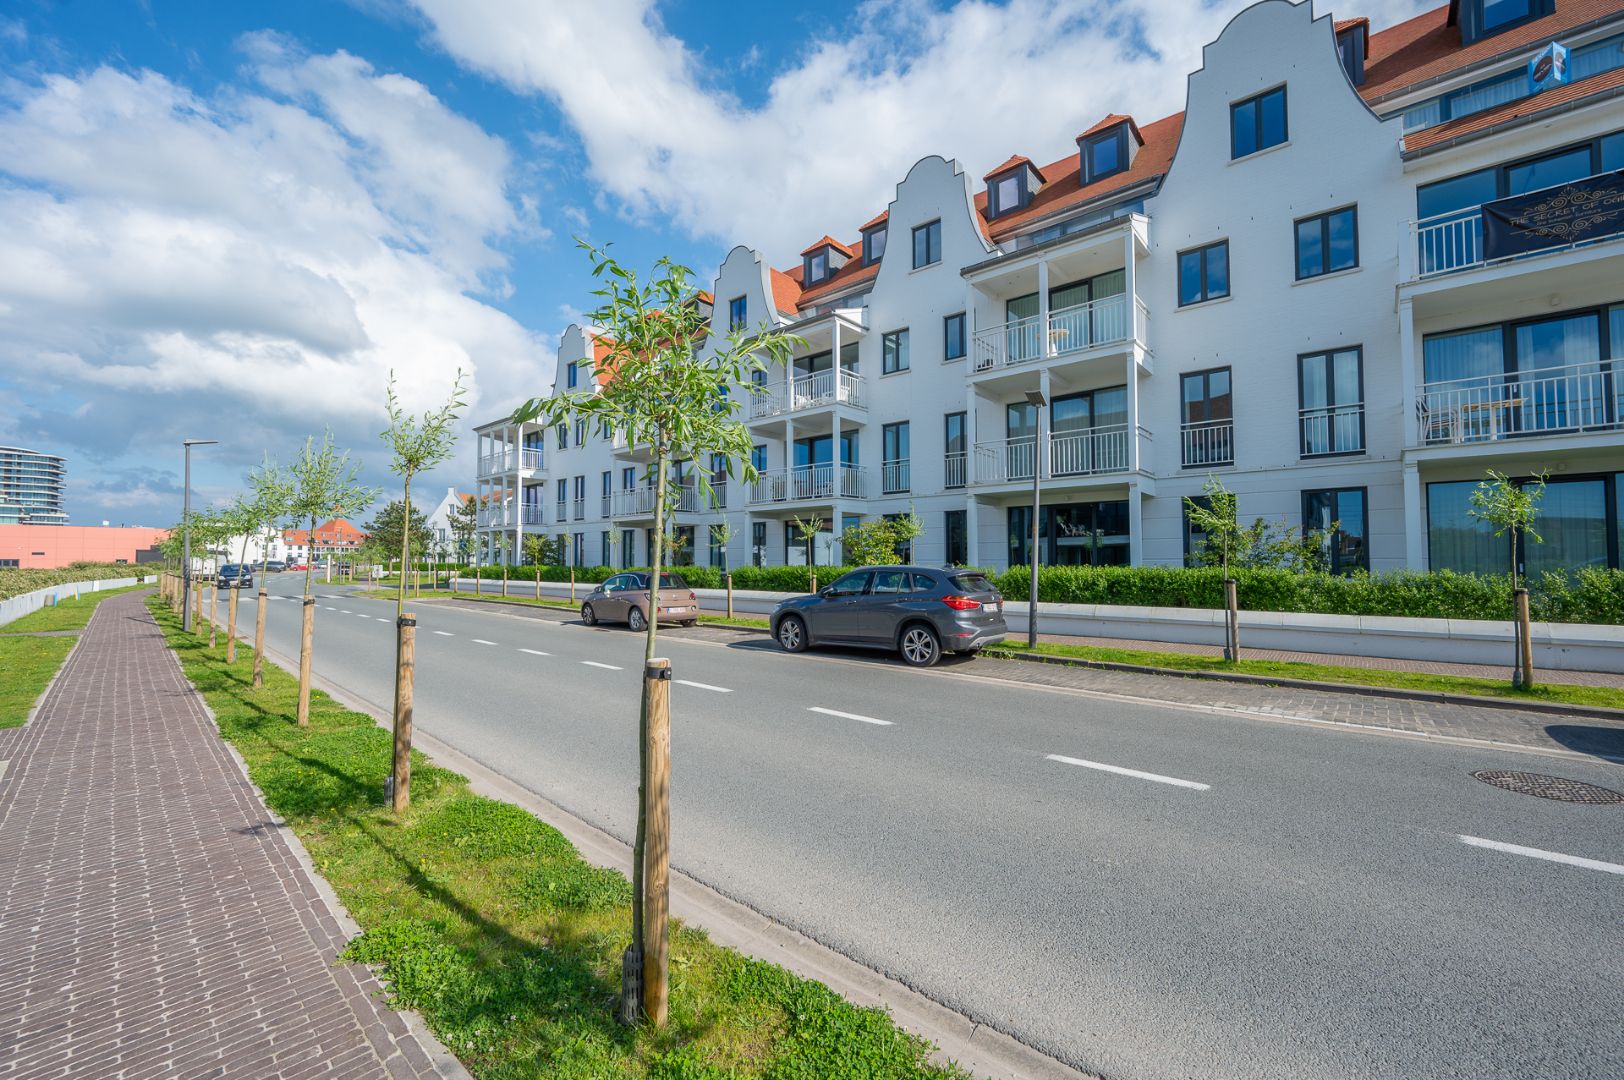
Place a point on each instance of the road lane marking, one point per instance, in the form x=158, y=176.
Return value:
x=536, y=652
x=1549, y=856
x=704, y=686
x=343, y=611
x=610, y=667
x=445, y=633
x=848, y=716
x=1135, y=773
x=482, y=641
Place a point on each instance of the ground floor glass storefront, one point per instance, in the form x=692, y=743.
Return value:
x=1072, y=534
x=1581, y=523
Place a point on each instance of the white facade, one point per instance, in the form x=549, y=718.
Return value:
x=1306, y=386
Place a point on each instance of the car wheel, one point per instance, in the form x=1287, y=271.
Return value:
x=635, y=620
x=691, y=623
x=589, y=616
x=919, y=646
x=792, y=634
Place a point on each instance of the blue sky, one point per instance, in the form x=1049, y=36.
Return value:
x=230, y=220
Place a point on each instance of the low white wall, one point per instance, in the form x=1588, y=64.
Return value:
x=1557, y=646
x=18, y=606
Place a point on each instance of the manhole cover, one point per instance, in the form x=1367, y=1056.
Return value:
x=1551, y=787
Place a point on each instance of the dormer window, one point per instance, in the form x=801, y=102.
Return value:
x=1010, y=187
x=1352, y=40
x=873, y=245
x=1107, y=148
x=820, y=261
x=1484, y=18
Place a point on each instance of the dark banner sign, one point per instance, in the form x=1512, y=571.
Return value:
x=1555, y=217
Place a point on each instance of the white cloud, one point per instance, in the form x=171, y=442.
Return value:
x=978, y=81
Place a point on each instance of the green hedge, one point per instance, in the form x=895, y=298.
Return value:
x=764, y=578
x=16, y=581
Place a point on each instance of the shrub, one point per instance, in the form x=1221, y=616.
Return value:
x=17, y=581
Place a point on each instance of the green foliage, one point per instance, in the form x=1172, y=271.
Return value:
x=323, y=484
x=1262, y=544
x=15, y=581
x=465, y=525
x=26, y=667
x=417, y=444
x=877, y=541
x=1508, y=507
x=383, y=531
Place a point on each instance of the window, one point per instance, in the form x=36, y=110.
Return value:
x=758, y=458
x=628, y=478
x=1257, y=123
x=737, y=313
x=577, y=542
x=605, y=555
x=682, y=546
x=573, y=375
x=580, y=433
x=758, y=543
x=628, y=547
x=1327, y=243
x=894, y=352
x=1208, y=428
x=563, y=436
x=1105, y=154
x=1006, y=194
x=874, y=245
x=1204, y=273
x=1499, y=14
x=718, y=546
x=955, y=450
x=816, y=266
x=891, y=582
x=1341, y=515
x=1195, y=538
x=894, y=458
x=927, y=243
x=1330, y=391
x=953, y=338
x=852, y=584
x=563, y=490
x=1071, y=534
x=957, y=537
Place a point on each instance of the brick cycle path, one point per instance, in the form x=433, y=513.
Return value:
x=154, y=919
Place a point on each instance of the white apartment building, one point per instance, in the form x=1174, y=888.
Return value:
x=1289, y=285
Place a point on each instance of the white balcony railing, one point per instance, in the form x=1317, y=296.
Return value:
x=953, y=469
x=1086, y=452
x=809, y=482
x=498, y=463
x=1453, y=241
x=1210, y=442
x=1544, y=401
x=894, y=477
x=1004, y=460
x=604, y=506
x=532, y=515
x=1331, y=429
x=531, y=459
x=639, y=501
x=497, y=517
x=820, y=388
x=1071, y=329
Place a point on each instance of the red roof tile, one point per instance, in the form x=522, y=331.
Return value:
x=828, y=241
x=1112, y=121
x=1512, y=110
x=786, y=290
x=877, y=219
x=850, y=274
x=1014, y=161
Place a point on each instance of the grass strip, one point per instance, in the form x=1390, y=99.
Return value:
x=490, y=924
x=26, y=667
x=68, y=614
x=1561, y=693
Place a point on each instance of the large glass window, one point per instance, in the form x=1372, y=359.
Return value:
x=1105, y=154
x=894, y=463
x=1499, y=13
x=873, y=245
x=953, y=344
x=1257, y=123
x=1456, y=540
x=1208, y=414
x=1006, y=194
x=955, y=449
x=927, y=244
x=817, y=266
x=1560, y=168
x=1072, y=534
x=894, y=352
x=1573, y=524
x=1327, y=243
x=956, y=538
x=1204, y=273
x=718, y=547
x=758, y=543
x=1331, y=391
x=1342, y=516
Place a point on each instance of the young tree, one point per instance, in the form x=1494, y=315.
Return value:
x=878, y=541
x=324, y=484
x=1512, y=508
x=1225, y=537
x=807, y=529
x=242, y=523
x=417, y=444
x=668, y=389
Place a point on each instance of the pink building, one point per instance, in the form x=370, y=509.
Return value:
x=50, y=546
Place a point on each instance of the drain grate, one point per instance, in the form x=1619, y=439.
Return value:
x=1551, y=787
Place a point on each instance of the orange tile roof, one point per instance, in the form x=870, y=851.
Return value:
x=602, y=371
x=1112, y=121
x=877, y=219
x=1014, y=161
x=1512, y=110
x=786, y=290
x=850, y=274
x=828, y=241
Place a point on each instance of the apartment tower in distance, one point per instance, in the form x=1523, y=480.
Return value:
x=31, y=487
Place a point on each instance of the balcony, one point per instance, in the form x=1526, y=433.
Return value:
x=498, y=463
x=603, y=507
x=954, y=469
x=497, y=517
x=1544, y=401
x=531, y=459
x=894, y=477
x=1088, y=452
x=812, y=391
x=532, y=515
x=1073, y=329
x=639, y=501
x=1207, y=444
x=809, y=482
x=579, y=506
x=1452, y=242
x=1330, y=430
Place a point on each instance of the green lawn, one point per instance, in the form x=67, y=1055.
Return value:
x=1450, y=684
x=26, y=667
x=491, y=925
x=65, y=615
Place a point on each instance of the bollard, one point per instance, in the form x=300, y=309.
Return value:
x=730, y=594
x=306, y=636
x=259, y=639
x=657, y=840
x=405, y=668
x=231, y=625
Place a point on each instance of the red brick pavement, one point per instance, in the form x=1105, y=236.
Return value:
x=154, y=919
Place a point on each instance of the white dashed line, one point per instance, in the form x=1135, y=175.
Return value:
x=1549, y=856
x=343, y=611
x=849, y=716
x=1135, y=773
x=536, y=652
x=328, y=607
x=445, y=633
x=482, y=641
x=704, y=686
x=608, y=667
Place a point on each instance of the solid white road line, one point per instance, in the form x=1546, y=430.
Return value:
x=594, y=663
x=704, y=686
x=445, y=633
x=848, y=716
x=536, y=652
x=1135, y=773
x=482, y=641
x=1549, y=856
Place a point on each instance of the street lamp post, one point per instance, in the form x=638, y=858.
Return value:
x=186, y=534
x=1036, y=399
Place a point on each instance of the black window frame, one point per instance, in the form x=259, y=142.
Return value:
x=1023, y=192
x=1324, y=219
x=1203, y=501
x=1257, y=122
x=1205, y=374
x=806, y=266
x=869, y=258
x=573, y=377
x=1364, y=440
x=947, y=337
x=1117, y=134
x=1502, y=171
x=738, y=312
x=1335, y=564
x=932, y=233
x=894, y=344
x=961, y=540
x=1201, y=253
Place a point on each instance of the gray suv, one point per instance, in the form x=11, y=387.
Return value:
x=919, y=611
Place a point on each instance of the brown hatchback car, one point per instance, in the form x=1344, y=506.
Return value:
x=625, y=598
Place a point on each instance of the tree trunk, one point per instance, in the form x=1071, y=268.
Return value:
x=656, y=810
x=730, y=594
x=1525, y=640
x=231, y=626
x=1232, y=620
x=259, y=638
x=214, y=610
x=307, y=633
x=405, y=669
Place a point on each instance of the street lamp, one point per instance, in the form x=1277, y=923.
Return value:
x=186, y=533
x=1036, y=399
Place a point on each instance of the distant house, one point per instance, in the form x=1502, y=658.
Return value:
x=334, y=537
x=439, y=521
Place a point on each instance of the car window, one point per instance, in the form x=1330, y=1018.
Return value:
x=972, y=583
x=672, y=581
x=850, y=584
x=924, y=583
x=890, y=581
x=613, y=583
x=636, y=581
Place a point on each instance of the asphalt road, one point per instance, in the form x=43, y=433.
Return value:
x=1253, y=899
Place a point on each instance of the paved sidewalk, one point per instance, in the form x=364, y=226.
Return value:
x=154, y=920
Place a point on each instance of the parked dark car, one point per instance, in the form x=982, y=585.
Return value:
x=919, y=611
x=625, y=598
x=236, y=576
x=274, y=566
